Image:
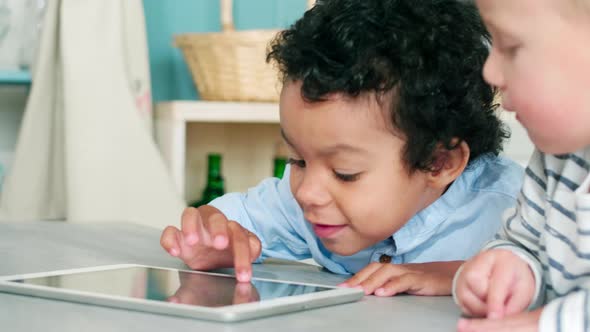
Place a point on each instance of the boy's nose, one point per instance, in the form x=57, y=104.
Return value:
x=311, y=192
x=492, y=70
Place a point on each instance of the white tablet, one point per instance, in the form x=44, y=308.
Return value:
x=193, y=294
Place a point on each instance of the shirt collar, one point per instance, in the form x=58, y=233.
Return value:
x=427, y=222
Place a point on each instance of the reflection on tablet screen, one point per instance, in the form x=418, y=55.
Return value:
x=173, y=286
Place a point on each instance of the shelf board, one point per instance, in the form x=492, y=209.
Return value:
x=215, y=111
x=15, y=77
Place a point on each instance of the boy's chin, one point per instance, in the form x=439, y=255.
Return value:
x=557, y=146
x=342, y=248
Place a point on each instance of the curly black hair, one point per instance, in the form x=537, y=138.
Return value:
x=429, y=52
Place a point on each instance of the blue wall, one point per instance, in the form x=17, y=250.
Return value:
x=170, y=76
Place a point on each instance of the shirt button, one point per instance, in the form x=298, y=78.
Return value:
x=385, y=259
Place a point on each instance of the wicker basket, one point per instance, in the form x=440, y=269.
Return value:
x=230, y=65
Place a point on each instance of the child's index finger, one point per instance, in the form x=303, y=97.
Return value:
x=241, y=251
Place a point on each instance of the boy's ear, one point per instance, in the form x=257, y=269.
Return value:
x=448, y=165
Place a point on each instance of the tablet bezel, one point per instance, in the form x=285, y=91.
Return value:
x=231, y=313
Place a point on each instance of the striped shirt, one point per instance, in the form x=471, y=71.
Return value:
x=550, y=229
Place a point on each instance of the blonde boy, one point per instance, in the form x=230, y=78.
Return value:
x=540, y=60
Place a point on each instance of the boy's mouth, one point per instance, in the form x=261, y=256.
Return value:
x=327, y=231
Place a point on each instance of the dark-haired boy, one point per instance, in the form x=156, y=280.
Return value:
x=394, y=171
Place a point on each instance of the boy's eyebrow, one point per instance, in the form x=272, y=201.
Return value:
x=331, y=150
x=492, y=26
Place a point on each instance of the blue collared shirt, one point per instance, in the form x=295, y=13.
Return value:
x=454, y=227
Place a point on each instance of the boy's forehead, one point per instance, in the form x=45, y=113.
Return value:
x=523, y=8
x=492, y=10
x=505, y=15
x=524, y=16
x=293, y=94
x=371, y=106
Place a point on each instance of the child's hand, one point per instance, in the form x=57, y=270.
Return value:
x=527, y=321
x=386, y=279
x=495, y=283
x=209, y=241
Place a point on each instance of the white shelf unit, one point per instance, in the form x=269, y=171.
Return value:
x=15, y=77
x=173, y=117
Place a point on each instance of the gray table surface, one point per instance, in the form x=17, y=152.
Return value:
x=27, y=247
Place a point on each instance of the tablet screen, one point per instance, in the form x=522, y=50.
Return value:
x=173, y=286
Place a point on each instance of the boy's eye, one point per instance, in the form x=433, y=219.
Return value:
x=347, y=177
x=342, y=177
x=296, y=162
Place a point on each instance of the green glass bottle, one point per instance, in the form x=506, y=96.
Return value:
x=215, y=184
x=279, y=164
x=280, y=159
